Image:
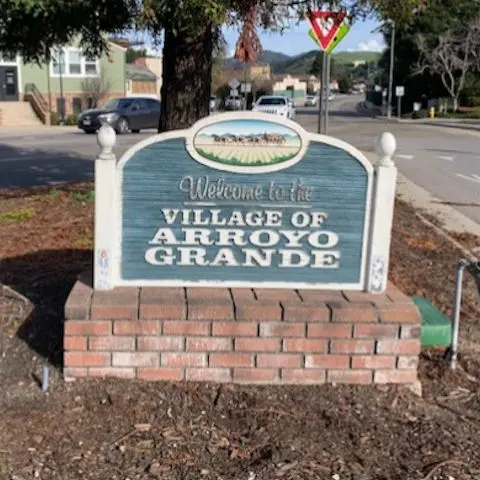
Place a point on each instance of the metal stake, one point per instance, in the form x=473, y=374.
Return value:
x=473, y=267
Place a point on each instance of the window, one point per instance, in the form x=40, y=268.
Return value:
x=7, y=58
x=74, y=63
x=91, y=66
x=58, y=63
x=272, y=101
x=71, y=63
x=154, y=105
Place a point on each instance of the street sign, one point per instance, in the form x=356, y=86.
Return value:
x=400, y=91
x=326, y=25
x=276, y=213
x=246, y=87
x=234, y=92
x=417, y=106
x=342, y=32
x=234, y=83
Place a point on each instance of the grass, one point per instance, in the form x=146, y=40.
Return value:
x=17, y=216
x=84, y=241
x=54, y=192
x=87, y=196
x=238, y=162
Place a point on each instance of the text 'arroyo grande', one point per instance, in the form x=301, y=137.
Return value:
x=256, y=238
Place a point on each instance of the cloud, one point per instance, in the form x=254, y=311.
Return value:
x=372, y=45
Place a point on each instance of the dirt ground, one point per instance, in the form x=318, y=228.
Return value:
x=134, y=430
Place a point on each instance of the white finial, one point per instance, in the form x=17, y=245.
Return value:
x=106, y=139
x=386, y=146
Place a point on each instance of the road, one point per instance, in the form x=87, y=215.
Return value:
x=443, y=161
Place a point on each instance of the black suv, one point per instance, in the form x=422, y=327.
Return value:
x=123, y=114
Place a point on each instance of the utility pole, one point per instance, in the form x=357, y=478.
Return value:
x=390, y=78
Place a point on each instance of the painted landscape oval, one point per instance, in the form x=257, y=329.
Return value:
x=247, y=143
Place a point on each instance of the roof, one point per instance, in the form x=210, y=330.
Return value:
x=139, y=72
x=123, y=42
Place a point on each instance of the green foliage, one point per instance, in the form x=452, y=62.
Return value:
x=439, y=17
x=236, y=161
x=87, y=196
x=54, y=118
x=71, y=120
x=345, y=84
x=223, y=92
x=317, y=65
x=84, y=241
x=132, y=54
x=54, y=193
x=17, y=216
x=23, y=24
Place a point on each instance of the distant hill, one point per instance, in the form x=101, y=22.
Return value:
x=266, y=57
x=352, y=57
x=300, y=64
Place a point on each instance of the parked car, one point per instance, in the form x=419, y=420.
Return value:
x=123, y=114
x=310, y=101
x=213, y=103
x=233, y=103
x=275, y=104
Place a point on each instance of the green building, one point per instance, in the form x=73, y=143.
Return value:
x=79, y=80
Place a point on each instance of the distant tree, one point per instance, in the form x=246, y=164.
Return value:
x=345, y=84
x=316, y=68
x=95, y=89
x=218, y=65
x=132, y=54
x=188, y=29
x=456, y=53
x=438, y=17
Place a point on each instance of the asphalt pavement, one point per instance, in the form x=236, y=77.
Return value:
x=444, y=161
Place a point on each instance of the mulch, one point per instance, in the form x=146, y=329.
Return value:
x=114, y=429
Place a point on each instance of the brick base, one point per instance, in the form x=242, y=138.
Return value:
x=242, y=335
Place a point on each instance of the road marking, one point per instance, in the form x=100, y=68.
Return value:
x=448, y=159
x=405, y=157
x=473, y=178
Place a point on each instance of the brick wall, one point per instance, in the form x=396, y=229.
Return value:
x=147, y=87
x=243, y=336
x=69, y=100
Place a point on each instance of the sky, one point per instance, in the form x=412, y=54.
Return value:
x=247, y=127
x=296, y=40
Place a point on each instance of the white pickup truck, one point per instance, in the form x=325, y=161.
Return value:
x=276, y=105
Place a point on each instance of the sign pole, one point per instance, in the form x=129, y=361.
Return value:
x=321, y=107
x=327, y=93
x=399, y=107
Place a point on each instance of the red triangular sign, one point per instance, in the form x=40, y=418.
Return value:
x=325, y=25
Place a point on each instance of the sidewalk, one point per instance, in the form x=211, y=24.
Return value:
x=23, y=131
x=465, y=124
x=450, y=218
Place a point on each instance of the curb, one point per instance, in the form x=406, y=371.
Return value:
x=451, y=220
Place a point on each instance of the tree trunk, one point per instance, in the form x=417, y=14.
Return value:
x=187, y=77
x=455, y=104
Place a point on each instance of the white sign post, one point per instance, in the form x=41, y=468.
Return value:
x=234, y=84
x=246, y=87
x=399, y=92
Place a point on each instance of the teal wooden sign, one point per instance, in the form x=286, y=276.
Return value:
x=243, y=200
